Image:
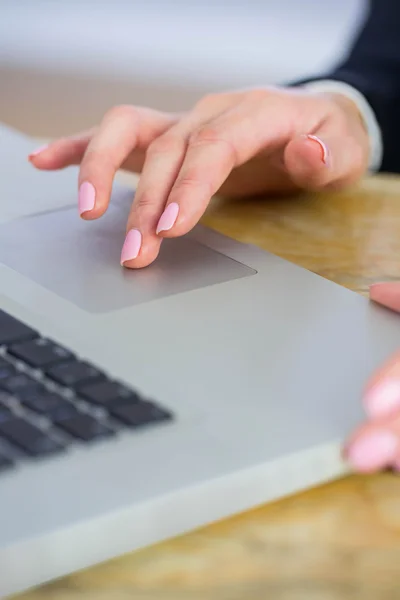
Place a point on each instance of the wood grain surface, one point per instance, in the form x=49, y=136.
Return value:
x=337, y=542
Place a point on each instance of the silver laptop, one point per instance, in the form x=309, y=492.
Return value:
x=138, y=405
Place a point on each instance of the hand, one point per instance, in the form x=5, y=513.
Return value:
x=239, y=143
x=376, y=444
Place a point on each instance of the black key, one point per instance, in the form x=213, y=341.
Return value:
x=40, y=353
x=48, y=403
x=75, y=373
x=5, y=413
x=6, y=370
x=19, y=383
x=108, y=393
x=12, y=330
x=139, y=413
x=28, y=437
x=5, y=462
x=5, y=397
x=85, y=427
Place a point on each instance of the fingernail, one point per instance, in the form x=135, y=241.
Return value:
x=131, y=247
x=37, y=151
x=168, y=218
x=323, y=146
x=87, y=197
x=383, y=399
x=373, y=451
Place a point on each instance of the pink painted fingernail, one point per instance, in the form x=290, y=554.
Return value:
x=323, y=146
x=383, y=399
x=131, y=247
x=38, y=151
x=373, y=451
x=87, y=197
x=168, y=218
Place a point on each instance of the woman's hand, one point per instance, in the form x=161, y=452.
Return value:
x=239, y=143
x=376, y=444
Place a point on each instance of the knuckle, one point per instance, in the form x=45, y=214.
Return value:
x=191, y=179
x=204, y=135
x=273, y=98
x=209, y=99
x=259, y=95
x=166, y=144
x=125, y=112
x=144, y=200
x=209, y=135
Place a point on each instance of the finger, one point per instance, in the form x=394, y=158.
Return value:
x=157, y=206
x=382, y=394
x=375, y=446
x=387, y=294
x=214, y=150
x=122, y=130
x=324, y=160
x=164, y=158
x=61, y=153
x=211, y=155
x=70, y=151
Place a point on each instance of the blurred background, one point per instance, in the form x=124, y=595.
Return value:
x=64, y=62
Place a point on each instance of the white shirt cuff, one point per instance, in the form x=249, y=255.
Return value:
x=367, y=114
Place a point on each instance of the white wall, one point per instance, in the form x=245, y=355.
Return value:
x=63, y=63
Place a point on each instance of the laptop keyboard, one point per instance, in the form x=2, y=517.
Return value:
x=50, y=398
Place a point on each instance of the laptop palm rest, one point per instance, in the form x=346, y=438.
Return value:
x=79, y=261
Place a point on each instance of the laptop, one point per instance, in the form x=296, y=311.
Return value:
x=139, y=405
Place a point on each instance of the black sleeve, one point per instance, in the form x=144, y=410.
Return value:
x=373, y=67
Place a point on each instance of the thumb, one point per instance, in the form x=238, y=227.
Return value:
x=387, y=294
x=315, y=162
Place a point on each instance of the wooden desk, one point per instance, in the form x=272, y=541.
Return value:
x=338, y=542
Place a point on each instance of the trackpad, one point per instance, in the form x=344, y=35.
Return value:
x=79, y=261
